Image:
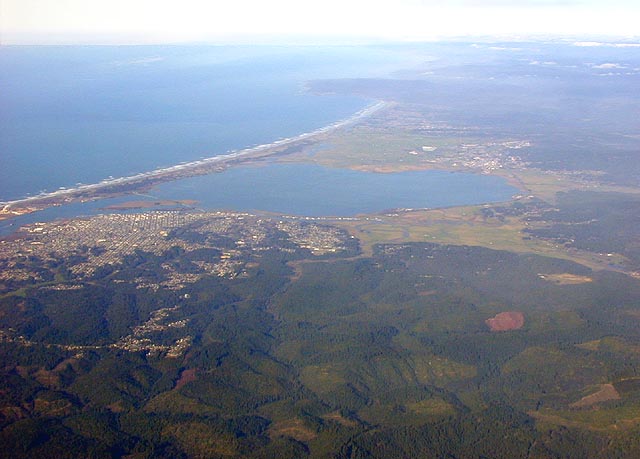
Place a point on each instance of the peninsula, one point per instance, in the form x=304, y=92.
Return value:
x=124, y=185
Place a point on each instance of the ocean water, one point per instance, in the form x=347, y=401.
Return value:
x=73, y=114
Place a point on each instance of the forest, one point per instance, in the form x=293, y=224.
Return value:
x=343, y=355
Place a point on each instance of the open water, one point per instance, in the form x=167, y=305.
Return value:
x=73, y=114
x=83, y=114
x=308, y=189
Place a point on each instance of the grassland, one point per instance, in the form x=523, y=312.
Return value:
x=399, y=139
x=396, y=140
x=467, y=226
x=601, y=419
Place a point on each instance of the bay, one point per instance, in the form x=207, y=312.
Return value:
x=313, y=190
x=302, y=189
x=74, y=114
x=82, y=114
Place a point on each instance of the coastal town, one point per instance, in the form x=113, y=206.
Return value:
x=68, y=256
x=485, y=158
x=86, y=245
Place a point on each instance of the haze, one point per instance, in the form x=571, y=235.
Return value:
x=252, y=21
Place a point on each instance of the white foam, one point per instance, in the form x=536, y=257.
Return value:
x=194, y=165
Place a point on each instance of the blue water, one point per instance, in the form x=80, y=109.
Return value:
x=311, y=190
x=78, y=209
x=81, y=114
x=304, y=190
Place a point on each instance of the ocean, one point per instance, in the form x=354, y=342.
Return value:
x=80, y=115
x=74, y=114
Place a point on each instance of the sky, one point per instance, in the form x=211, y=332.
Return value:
x=254, y=21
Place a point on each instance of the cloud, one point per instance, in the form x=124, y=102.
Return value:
x=588, y=44
x=607, y=66
x=505, y=48
x=142, y=61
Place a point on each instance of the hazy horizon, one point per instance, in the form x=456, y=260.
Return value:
x=332, y=22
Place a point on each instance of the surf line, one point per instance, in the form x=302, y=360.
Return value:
x=182, y=170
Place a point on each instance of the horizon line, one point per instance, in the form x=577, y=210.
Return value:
x=314, y=40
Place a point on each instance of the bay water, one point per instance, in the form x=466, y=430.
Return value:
x=74, y=115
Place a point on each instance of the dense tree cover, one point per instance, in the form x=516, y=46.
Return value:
x=351, y=356
x=381, y=356
x=597, y=222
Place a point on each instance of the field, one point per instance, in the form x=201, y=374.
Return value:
x=468, y=226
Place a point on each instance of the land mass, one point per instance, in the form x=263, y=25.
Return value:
x=499, y=330
x=144, y=181
x=150, y=204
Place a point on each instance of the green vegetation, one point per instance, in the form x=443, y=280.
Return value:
x=595, y=222
x=352, y=353
x=179, y=335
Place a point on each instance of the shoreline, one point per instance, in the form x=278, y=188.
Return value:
x=124, y=185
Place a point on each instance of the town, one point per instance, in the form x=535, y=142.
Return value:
x=89, y=244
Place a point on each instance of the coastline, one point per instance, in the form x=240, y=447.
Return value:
x=124, y=185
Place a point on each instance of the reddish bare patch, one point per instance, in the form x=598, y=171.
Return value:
x=634, y=314
x=47, y=378
x=186, y=377
x=70, y=362
x=293, y=428
x=606, y=392
x=23, y=371
x=511, y=320
x=13, y=413
x=116, y=407
x=337, y=417
x=52, y=408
